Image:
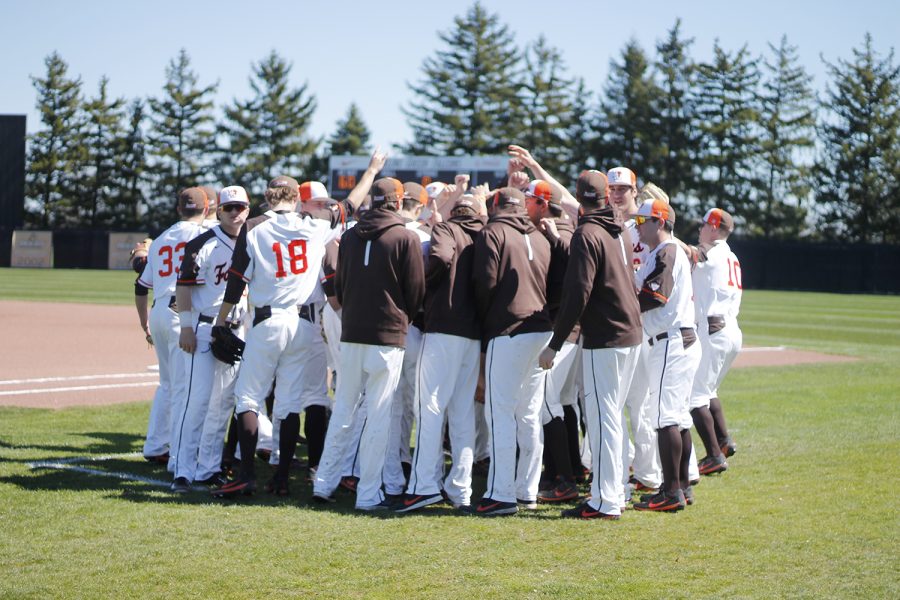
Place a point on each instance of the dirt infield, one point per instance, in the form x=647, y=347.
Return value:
x=59, y=355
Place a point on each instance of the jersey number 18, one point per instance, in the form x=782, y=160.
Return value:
x=296, y=251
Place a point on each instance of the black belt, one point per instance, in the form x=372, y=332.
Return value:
x=210, y=320
x=308, y=312
x=665, y=335
x=713, y=321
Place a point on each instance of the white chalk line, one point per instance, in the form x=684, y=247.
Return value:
x=67, y=464
x=77, y=388
x=764, y=349
x=76, y=378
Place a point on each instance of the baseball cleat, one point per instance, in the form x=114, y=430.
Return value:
x=493, y=508
x=526, y=504
x=640, y=486
x=383, y=505
x=663, y=502
x=712, y=465
x=728, y=447
x=410, y=502
x=586, y=511
x=278, y=487
x=181, y=485
x=161, y=459
x=561, y=492
x=216, y=480
x=238, y=487
x=323, y=499
x=349, y=483
x=688, y=495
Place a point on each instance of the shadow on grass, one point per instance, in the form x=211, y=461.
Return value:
x=107, y=442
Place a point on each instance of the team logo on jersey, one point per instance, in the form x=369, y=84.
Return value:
x=221, y=273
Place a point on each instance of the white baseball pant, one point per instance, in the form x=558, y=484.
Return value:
x=643, y=454
x=221, y=405
x=375, y=370
x=561, y=383
x=402, y=415
x=164, y=328
x=718, y=352
x=671, y=369
x=512, y=410
x=445, y=394
x=607, y=377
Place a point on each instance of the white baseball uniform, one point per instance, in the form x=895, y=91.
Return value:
x=159, y=275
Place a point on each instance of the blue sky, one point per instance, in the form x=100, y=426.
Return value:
x=367, y=52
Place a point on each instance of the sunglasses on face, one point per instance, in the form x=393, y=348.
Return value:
x=233, y=208
x=641, y=220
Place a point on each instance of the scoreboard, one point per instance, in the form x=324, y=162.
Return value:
x=345, y=171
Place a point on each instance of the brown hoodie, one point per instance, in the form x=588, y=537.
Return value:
x=598, y=287
x=380, y=279
x=512, y=263
x=450, y=296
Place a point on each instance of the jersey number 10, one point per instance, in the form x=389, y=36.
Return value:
x=734, y=274
x=296, y=251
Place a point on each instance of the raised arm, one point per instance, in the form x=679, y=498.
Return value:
x=568, y=201
x=376, y=164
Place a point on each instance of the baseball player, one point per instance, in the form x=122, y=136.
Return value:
x=199, y=293
x=542, y=203
x=380, y=284
x=277, y=257
x=668, y=319
x=599, y=292
x=717, y=298
x=452, y=337
x=212, y=202
x=159, y=274
x=512, y=264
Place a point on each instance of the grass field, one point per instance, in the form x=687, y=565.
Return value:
x=806, y=509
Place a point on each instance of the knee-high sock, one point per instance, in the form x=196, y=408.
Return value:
x=314, y=428
x=248, y=433
x=670, y=450
x=685, y=464
x=556, y=441
x=703, y=422
x=287, y=444
x=718, y=416
x=571, y=420
x=231, y=441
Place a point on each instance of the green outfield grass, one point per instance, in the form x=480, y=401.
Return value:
x=806, y=509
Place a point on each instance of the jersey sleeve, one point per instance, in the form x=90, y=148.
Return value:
x=658, y=284
x=191, y=271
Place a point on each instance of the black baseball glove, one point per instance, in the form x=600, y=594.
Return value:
x=226, y=346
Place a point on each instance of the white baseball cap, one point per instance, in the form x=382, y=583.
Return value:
x=233, y=194
x=313, y=190
x=621, y=176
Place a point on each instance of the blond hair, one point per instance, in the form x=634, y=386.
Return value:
x=651, y=191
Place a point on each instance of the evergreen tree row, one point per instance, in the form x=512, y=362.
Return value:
x=743, y=132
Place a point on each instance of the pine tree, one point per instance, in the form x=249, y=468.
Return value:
x=548, y=111
x=673, y=167
x=626, y=130
x=728, y=119
x=352, y=134
x=130, y=199
x=468, y=100
x=103, y=143
x=859, y=169
x=268, y=134
x=57, y=152
x=579, y=135
x=181, y=136
x=787, y=116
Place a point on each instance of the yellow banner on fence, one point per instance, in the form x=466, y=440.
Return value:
x=33, y=249
x=120, y=246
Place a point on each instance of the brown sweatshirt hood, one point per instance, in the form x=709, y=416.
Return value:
x=373, y=223
x=516, y=219
x=605, y=218
x=472, y=225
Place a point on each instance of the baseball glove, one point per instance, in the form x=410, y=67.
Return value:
x=226, y=346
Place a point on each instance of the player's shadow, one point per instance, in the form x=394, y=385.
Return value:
x=102, y=442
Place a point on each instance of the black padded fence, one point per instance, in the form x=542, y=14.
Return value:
x=80, y=249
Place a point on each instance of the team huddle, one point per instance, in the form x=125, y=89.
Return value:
x=509, y=327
